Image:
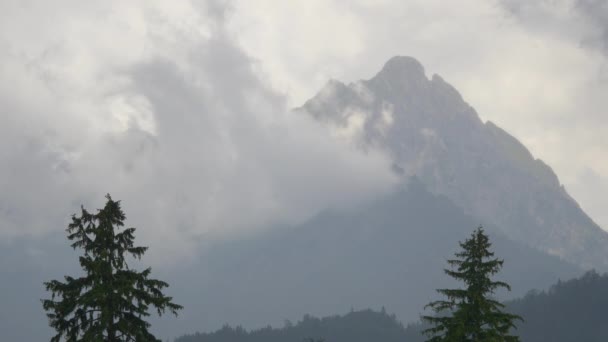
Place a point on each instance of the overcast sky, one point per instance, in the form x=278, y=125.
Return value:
x=181, y=108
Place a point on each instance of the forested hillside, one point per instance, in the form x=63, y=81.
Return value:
x=569, y=311
x=356, y=326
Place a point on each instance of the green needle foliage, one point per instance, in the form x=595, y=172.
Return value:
x=470, y=314
x=111, y=301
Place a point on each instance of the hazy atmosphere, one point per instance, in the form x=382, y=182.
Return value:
x=268, y=151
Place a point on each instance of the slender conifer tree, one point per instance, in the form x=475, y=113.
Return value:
x=470, y=313
x=111, y=300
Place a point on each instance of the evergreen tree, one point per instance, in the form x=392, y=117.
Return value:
x=110, y=302
x=470, y=314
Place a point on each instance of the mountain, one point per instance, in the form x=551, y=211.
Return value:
x=390, y=252
x=569, y=311
x=431, y=132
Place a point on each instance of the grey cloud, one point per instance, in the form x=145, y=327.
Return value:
x=596, y=12
x=189, y=136
x=515, y=7
x=583, y=20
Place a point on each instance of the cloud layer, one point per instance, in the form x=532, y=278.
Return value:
x=155, y=104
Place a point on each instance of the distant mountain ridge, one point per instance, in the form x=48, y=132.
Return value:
x=391, y=253
x=569, y=311
x=356, y=326
x=431, y=132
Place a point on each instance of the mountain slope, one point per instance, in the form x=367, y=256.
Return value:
x=388, y=253
x=574, y=310
x=569, y=311
x=431, y=132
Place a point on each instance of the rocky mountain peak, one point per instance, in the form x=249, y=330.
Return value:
x=400, y=75
x=431, y=132
x=402, y=67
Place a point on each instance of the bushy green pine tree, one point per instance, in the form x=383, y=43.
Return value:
x=470, y=314
x=111, y=301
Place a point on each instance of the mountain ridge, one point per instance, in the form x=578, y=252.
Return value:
x=564, y=312
x=430, y=131
x=387, y=253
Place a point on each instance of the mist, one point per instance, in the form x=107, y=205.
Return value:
x=304, y=170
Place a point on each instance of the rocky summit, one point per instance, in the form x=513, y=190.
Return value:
x=432, y=133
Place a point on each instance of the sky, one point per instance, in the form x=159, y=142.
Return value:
x=181, y=109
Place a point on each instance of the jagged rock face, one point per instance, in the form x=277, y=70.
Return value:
x=431, y=132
